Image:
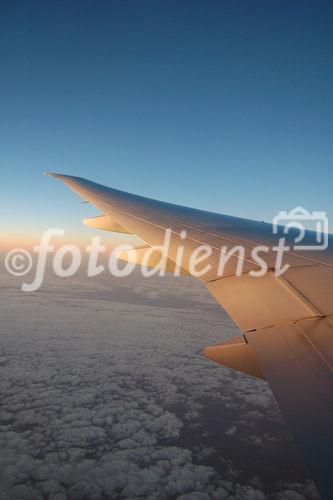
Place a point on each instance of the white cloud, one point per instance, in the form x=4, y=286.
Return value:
x=106, y=398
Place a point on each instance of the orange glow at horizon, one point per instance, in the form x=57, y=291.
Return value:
x=12, y=238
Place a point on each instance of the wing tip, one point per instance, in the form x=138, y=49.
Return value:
x=62, y=177
x=53, y=174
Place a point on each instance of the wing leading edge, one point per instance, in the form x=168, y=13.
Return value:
x=286, y=321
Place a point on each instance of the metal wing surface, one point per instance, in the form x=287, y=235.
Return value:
x=286, y=320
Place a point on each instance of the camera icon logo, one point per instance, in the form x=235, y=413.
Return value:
x=297, y=219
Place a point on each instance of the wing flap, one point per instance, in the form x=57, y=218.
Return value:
x=297, y=362
x=255, y=303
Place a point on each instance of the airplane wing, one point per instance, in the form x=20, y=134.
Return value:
x=286, y=320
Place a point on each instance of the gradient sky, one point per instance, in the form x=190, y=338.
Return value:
x=225, y=106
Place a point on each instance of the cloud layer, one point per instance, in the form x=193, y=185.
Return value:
x=104, y=394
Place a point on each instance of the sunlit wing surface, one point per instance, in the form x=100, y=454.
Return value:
x=286, y=320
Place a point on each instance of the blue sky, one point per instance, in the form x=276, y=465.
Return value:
x=225, y=106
